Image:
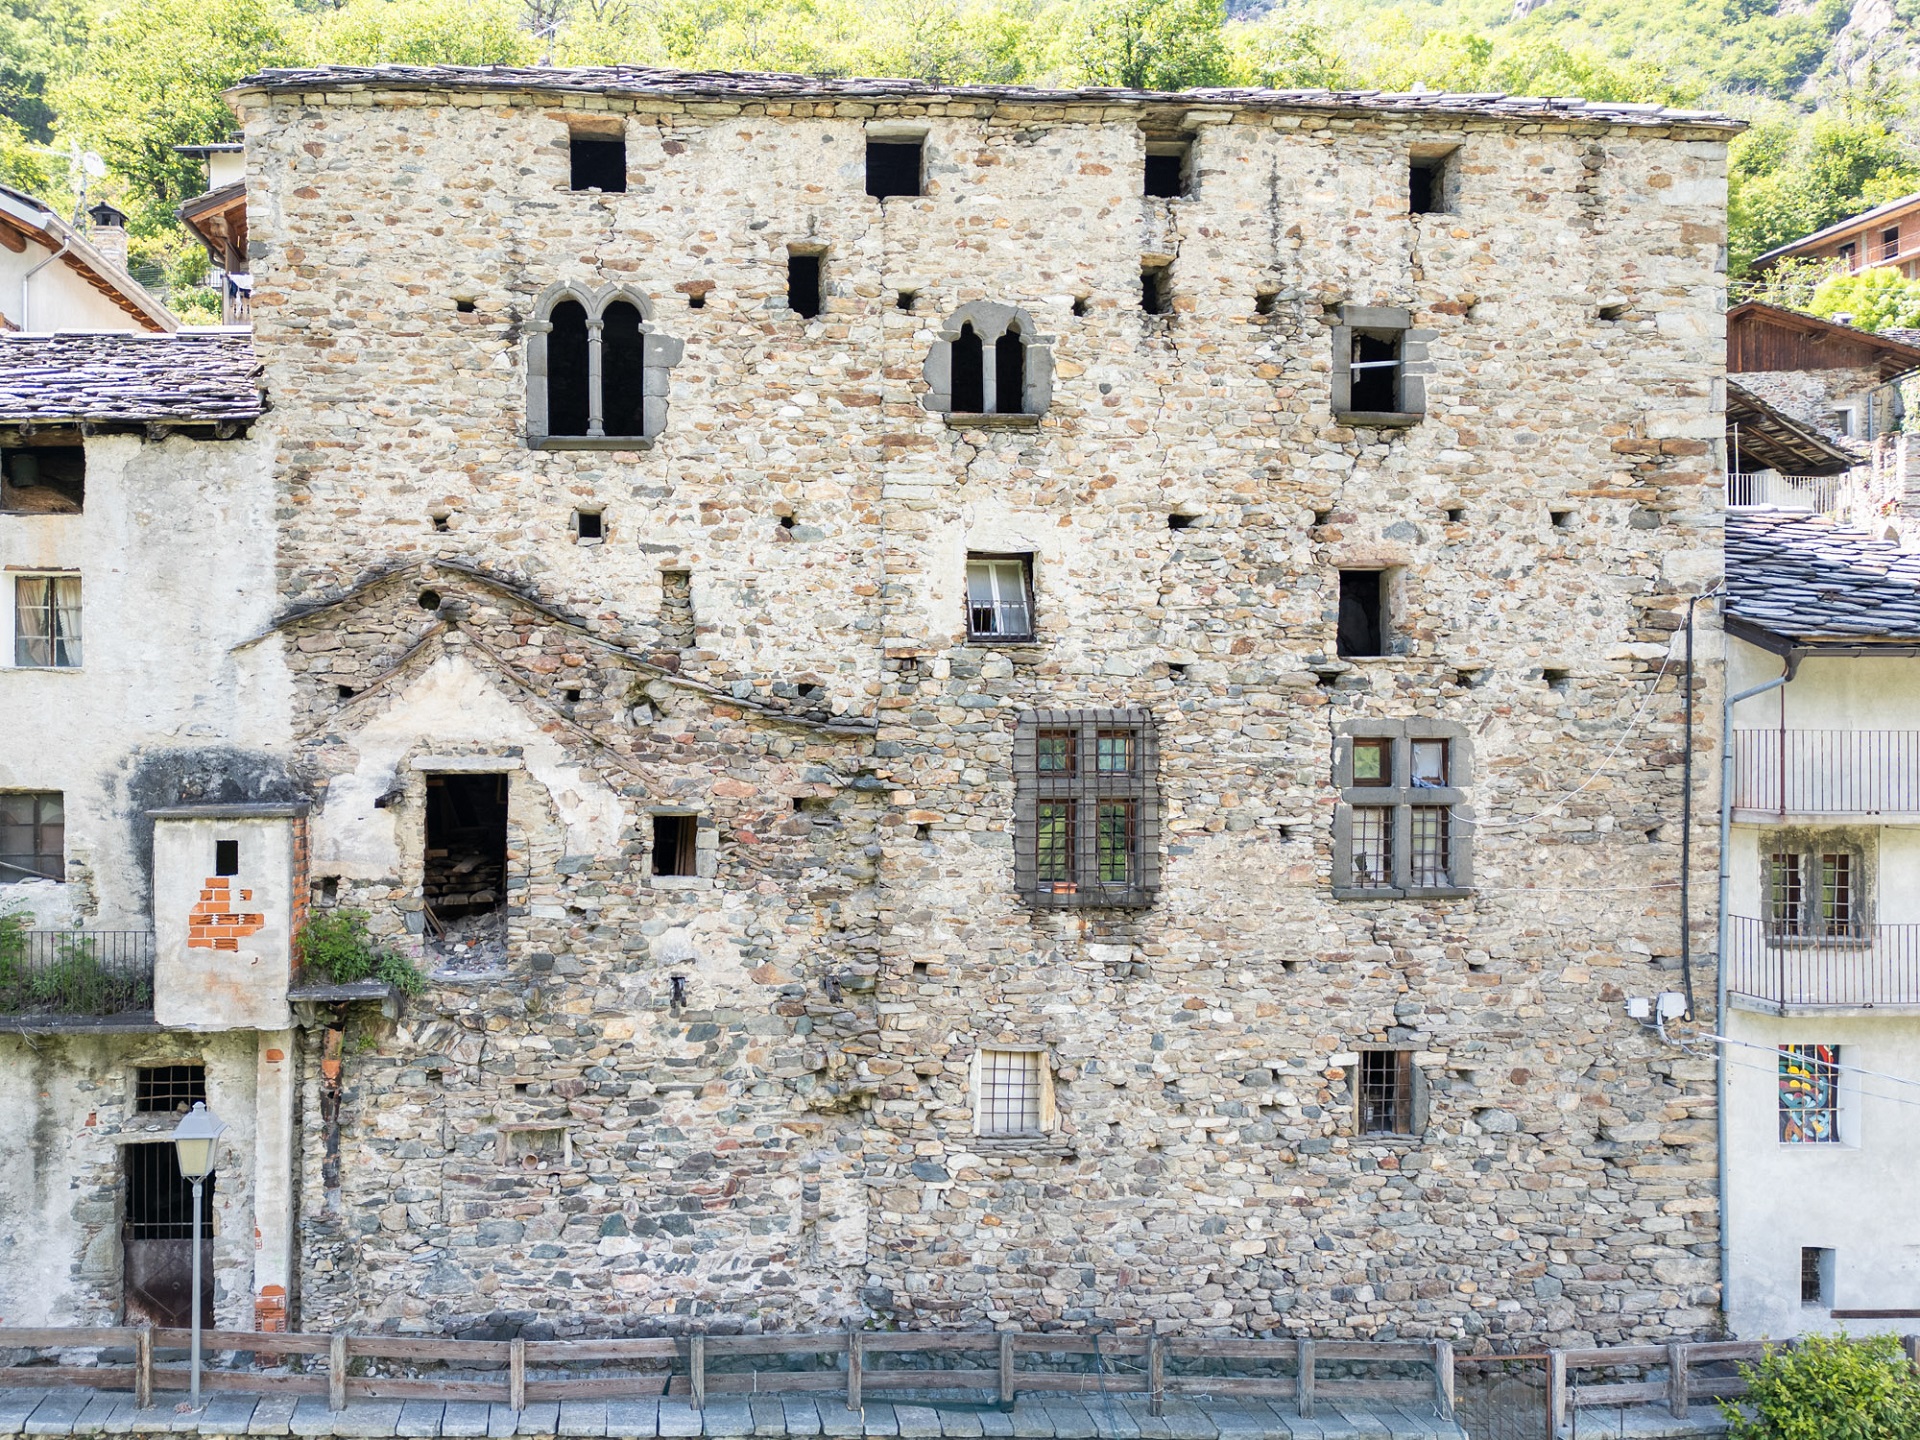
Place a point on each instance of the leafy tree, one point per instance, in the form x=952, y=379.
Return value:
x=1290, y=51
x=152, y=81
x=421, y=32
x=41, y=41
x=1878, y=299
x=1148, y=44
x=1788, y=179
x=1829, y=1388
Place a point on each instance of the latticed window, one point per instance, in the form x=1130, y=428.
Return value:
x=1403, y=827
x=1809, y=1094
x=1086, y=817
x=1384, y=1094
x=33, y=836
x=46, y=621
x=169, y=1089
x=1815, y=893
x=1010, y=1093
x=999, y=597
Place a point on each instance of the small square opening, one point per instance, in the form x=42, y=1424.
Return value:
x=893, y=168
x=1816, y=1276
x=588, y=525
x=1374, y=371
x=1427, y=185
x=1266, y=302
x=1156, y=289
x=1179, y=521
x=673, y=844
x=1385, y=1092
x=226, y=857
x=464, y=307
x=1362, y=623
x=43, y=479
x=803, y=284
x=169, y=1089
x=598, y=162
x=1166, y=169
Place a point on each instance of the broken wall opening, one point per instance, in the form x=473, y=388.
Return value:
x=466, y=859
x=43, y=479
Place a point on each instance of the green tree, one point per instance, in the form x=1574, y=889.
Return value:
x=420, y=32
x=1289, y=51
x=152, y=81
x=1828, y=1388
x=1879, y=299
x=41, y=42
x=1788, y=179
x=1148, y=44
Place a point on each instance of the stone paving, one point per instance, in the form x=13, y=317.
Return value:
x=97, y=1412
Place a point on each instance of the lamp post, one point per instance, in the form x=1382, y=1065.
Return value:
x=194, y=1141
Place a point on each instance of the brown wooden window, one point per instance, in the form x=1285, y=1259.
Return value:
x=1384, y=1096
x=33, y=834
x=1086, y=810
x=1402, y=827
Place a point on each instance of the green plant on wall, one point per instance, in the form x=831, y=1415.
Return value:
x=1828, y=1388
x=338, y=945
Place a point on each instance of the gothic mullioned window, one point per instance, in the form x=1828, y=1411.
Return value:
x=597, y=369
x=989, y=360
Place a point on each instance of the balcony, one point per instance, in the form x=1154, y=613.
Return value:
x=1820, y=494
x=75, y=979
x=1873, y=967
x=1780, y=773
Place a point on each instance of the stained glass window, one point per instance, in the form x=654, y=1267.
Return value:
x=1809, y=1094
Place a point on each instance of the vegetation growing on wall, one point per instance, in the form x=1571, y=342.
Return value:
x=336, y=946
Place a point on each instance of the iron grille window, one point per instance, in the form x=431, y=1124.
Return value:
x=1815, y=1265
x=1398, y=830
x=1386, y=1092
x=46, y=621
x=1809, y=1094
x=1012, y=1087
x=160, y=1198
x=33, y=836
x=1814, y=894
x=999, y=597
x=167, y=1089
x=1086, y=810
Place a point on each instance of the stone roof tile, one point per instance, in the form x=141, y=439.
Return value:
x=205, y=377
x=1805, y=579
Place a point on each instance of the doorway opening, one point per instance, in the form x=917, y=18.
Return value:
x=466, y=861
x=157, y=1239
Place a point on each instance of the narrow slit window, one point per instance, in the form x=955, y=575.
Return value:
x=1156, y=289
x=804, y=284
x=226, y=857
x=969, y=373
x=1427, y=179
x=597, y=162
x=1009, y=373
x=46, y=620
x=1012, y=1100
x=676, y=609
x=1000, y=597
x=1372, y=847
x=674, y=846
x=893, y=168
x=168, y=1089
x=1361, y=624
x=1385, y=1099
x=623, y=362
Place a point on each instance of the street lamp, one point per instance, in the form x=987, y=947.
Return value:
x=194, y=1141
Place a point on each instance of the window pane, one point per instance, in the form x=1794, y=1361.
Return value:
x=982, y=615
x=1429, y=841
x=1054, y=843
x=1373, y=762
x=1113, y=842
x=1114, y=752
x=1372, y=854
x=997, y=598
x=1809, y=1094
x=1784, y=896
x=64, y=600
x=1430, y=762
x=1836, y=893
x=1054, y=751
x=1010, y=1092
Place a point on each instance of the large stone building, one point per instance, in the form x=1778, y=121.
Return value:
x=985, y=706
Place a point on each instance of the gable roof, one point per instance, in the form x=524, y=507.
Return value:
x=1839, y=227
x=24, y=218
x=94, y=378
x=1760, y=431
x=644, y=80
x=1764, y=337
x=1799, y=581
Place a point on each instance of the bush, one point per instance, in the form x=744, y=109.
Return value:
x=1829, y=1388
x=336, y=943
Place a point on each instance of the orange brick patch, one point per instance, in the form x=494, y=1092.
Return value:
x=213, y=924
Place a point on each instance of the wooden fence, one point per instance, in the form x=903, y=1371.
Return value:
x=855, y=1363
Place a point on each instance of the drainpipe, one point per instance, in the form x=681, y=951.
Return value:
x=1792, y=663
x=65, y=245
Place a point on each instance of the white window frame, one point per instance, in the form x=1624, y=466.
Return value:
x=1039, y=1058
x=1009, y=580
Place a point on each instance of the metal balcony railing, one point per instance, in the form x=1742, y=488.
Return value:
x=1870, y=965
x=1818, y=493
x=1827, y=772
x=75, y=972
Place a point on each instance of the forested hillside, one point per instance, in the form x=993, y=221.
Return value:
x=1832, y=99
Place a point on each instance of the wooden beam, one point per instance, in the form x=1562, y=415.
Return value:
x=337, y=1371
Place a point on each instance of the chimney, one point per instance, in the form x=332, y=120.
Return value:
x=108, y=234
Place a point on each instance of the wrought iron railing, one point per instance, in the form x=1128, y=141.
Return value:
x=75, y=972
x=1870, y=965
x=1827, y=772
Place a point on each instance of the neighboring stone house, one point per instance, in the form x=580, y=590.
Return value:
x=1822, y=928
x=987, y=707
x=1828, y=374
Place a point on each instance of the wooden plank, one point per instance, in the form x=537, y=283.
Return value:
x=719, y=1347
x=1303, y=1378
x=1031, y=1380
x=397, y=1347
x=766, y=1383
x=1443, y=1378
x=697, y=1370
x=1632, y=1392
x=1156, y=1374
x=1622, y=1355
x=428, y=1389
x=1378, y=1350
x=45, y=1337
x=983, y=1377
x=1557, y=1409
x=568, y=1352
x=1677, y=1380
x=597, y=1387
x=517, y=1374
x=143, y=1367
x=1418, y=1391
x=170, y=1377
x=1224, y=1349
x=1727, y=1350
x=337, y=1370
x=1006, y=1367
x=99, y=1377
x=260, y=1342
x=1111, y=1346
x=854, y=1361
x=1279, y=1387
x=876, y=1341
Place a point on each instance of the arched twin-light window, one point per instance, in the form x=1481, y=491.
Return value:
x=989, y=359
x=597, y=369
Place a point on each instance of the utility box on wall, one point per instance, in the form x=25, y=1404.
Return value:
x=227, y=893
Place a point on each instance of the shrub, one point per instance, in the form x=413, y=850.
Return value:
x=1829, y=1388
x=337, y=944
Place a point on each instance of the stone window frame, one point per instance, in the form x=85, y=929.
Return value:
x=706, y=851
x=1810, y=844
x=1047, y=1106
x=990, y=320
x=1086, y=790
x=660, y=353
x=1401, y=798
x=1381, y=320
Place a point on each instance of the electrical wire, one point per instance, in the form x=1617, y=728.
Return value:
x=1834, y=1065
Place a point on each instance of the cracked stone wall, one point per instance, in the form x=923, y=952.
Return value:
x=781, y=1147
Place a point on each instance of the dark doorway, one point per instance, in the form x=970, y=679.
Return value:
x=466, y=870
x=157, y=1239
x=969, y=375
x=1010, y=374
x=1361, y=631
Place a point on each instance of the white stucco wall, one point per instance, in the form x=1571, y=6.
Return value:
x=175, y=555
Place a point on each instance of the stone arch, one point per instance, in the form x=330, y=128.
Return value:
x=627, y=363
x=989, y=322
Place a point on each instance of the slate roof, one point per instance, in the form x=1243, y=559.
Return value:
x=1803, y=579
x=643, y=80
x=105, y=378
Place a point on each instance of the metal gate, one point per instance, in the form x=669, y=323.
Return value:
x=1502, y=1397
x=157, y=1239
